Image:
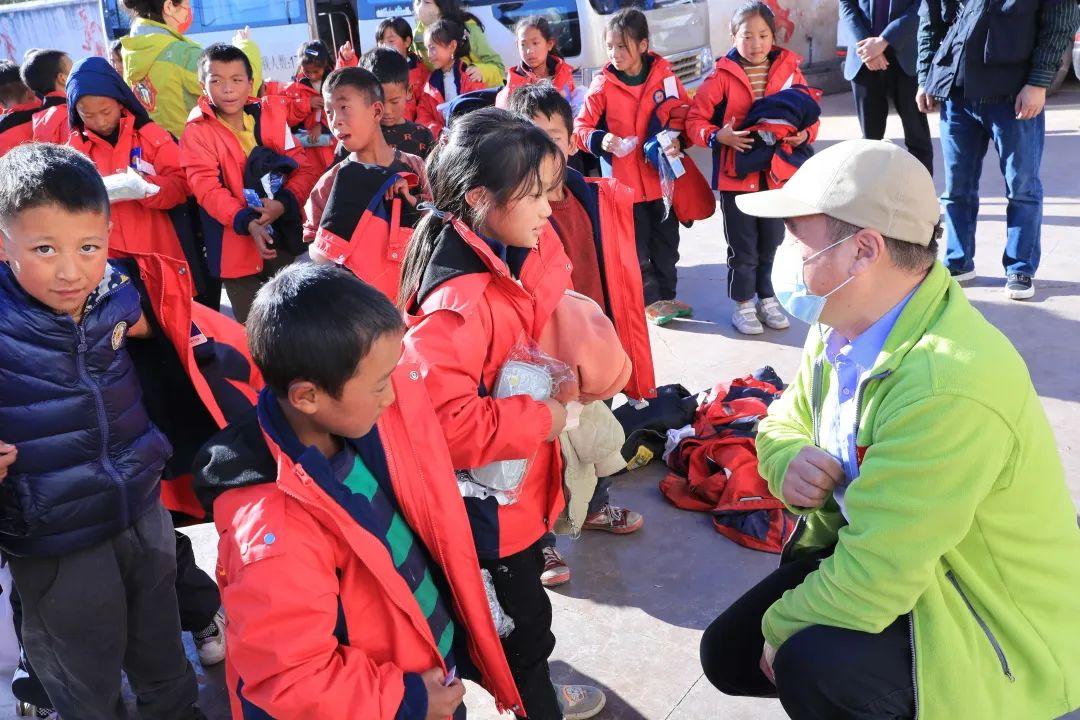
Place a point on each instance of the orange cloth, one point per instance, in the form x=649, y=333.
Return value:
x=580, y=335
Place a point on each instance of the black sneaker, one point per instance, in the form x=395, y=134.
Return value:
x=1019, y=286
x=962, y=276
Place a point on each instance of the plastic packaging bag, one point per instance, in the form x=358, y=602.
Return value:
x=669, y=168
x=128, y=185
x=308, y=141
x=254, y=202
x=504, y=624
x=625, y=146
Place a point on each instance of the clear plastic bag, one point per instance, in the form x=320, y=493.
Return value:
x=625, y=146
x=128, y=185
x=504, y=624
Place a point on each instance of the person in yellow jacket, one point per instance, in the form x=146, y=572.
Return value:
x=161, y=65
x=934, y=572
x=485, y=65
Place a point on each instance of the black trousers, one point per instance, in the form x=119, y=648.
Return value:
x=751, y=248
x=196, y=592
x=528, y=647
x=874, y=89
x=658, y=250
x=822, y=672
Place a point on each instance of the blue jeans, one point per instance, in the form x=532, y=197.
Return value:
x=967, y=127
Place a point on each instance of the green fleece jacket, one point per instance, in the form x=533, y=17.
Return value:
x=959, y=516
x=482, y=56
x=161, y=66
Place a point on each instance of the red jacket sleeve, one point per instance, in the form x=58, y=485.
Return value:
x=342, y=62
x=299, y=107
x=478, y=430
x=699, y=121
x=304, y=177
x=428, y=115
x=586, y=135
x=316, y=202
x=161, y=151
x=200, y=162
x=800, y=79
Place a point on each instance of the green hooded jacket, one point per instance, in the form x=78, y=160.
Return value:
x=960, y=516
x=161, y=66
x=482, y=56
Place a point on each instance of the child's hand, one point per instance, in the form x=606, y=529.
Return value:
x=271, y=211
x=443, y=700
x=733, y=138
x=346, y=51
x=610, y=143
x=8, y=454
x=401, y=187
x=474, y=73
x=797, y=139
x=317, y=102
x=264, y=241
x=141, y=328
x=558, y=418
x=241, y=35
x=675, y=149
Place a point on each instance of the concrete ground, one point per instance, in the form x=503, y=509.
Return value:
x=631, y=618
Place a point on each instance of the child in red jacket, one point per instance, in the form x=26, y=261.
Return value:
x=470, y=299
x=308, y=118
x=754, y=68
x=619, y=116
x=46, y=73
x=447, y=43
x=396, y=33
x=536, y=45
x=237, y=150
x=351, y=588
x=19, y=104
x=111, y=127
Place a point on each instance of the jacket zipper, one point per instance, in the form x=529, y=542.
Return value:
x=914, y=674
x=985, y=628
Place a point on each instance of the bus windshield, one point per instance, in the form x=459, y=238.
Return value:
x=609, y=7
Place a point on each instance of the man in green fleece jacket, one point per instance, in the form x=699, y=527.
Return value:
x=935, y=568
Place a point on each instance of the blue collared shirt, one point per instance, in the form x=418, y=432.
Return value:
x=852, y=362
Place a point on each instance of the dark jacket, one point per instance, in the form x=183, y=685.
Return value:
x=856, y=24
x=89, y=457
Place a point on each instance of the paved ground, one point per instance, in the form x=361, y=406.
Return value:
x=631, y=618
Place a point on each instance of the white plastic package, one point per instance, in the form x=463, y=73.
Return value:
x=625, y=146
x=128, y=185
x=504, y=624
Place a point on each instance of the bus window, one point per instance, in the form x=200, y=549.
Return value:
x=213, y=15
x=610, y=7
x=561, y=14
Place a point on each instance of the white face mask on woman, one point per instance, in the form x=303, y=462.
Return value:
x=789, y=282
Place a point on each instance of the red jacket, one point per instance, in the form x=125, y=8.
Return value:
x=419, y=73
x=17, y=126
x=560, y=74
x=468, y=316
x=427, y=108
x=726, y=96
x=321, y=624
x=140, y=226
x=629, y=111
x=312, y=120
x=51, y=122
x=214, y=161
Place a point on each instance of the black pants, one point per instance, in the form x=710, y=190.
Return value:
x=874, y=89
x=822, y=672
x=528, y=647
x=196, y=592
x=751, y=247
x=657, y=249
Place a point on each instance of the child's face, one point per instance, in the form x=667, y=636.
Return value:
x=534, y=48
x=426, y=11
x=753, y=40
x=117, y=61
x=99, y=114
x=440, y=56
x=391, y=39
x=228, y=86
x=556, y=129
x=314, y=71
x=57, y=256
x=625, y=53
x=395, y=98
x=354, y=120
x=520, y=222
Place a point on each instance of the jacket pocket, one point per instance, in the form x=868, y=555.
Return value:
x=1010, y=32
x=985, y=628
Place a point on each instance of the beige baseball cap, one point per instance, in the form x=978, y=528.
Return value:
x=870, y=183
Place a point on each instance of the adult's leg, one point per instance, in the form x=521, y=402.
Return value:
x=197, y=594
x=770, y=235
x=1019, y=146
x=522, y=596
x=964, y=142
x=642, y=235
x=664, y=248
x=741, y=232
x=916, y=123
x=871, y=101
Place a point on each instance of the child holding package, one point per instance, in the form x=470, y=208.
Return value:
x=45, y=72
x=613, y=125
x=93, y=552
x=314, y=63
x=20, y=104
x=232, y=144
x=483, y=274
x=447, y=46
x=392, y=71
x=350, y=585
x=755, y=68
x=539, y=62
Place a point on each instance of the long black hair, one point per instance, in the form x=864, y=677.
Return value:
x=452, y=9
x=489, y=148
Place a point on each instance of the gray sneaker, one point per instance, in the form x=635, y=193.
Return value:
x=580, y=702
x=745, y=319
x=770, y=313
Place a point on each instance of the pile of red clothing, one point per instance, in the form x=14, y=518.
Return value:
x=715, y=471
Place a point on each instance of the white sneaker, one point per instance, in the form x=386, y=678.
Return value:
x=770, y=313
x=210, y=641
x=745, y=319
x=580, y=702
x=23, y=709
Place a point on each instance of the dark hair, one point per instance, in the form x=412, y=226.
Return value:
x=116, y=46
x=357, y=78
x=314, y=52
x=541, y=98
x=908, y=256
x=399, y=25
x=222, y=52
x=490, y=148
x=148, y=9
x=444, y=31
x=748, y=10
x=537, y=22
x=292, y=336
x=12, y=88
x=39, y=174
x=452, y=9
x=40, y=69
x=387, y=65
x=631, y=24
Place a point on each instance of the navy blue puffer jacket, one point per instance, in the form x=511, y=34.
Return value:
x=89, y=458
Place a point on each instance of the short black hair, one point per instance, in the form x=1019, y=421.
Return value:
x=387, y=65
x=116, y=46
x=541, y=99
x=222, y=52
x=40, y=174
x=751, y=9
x=445, y=31
x=316, y=323
x=12, y=87
x=399, y=25
x=363, y=81
x=314, y=52
x=40, y=68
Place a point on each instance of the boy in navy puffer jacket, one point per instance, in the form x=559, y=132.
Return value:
x=90, y=545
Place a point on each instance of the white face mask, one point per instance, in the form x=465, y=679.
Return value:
x=789, y=282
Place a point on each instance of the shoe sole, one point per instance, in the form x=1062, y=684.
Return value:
x=662, y=320
x=965, y=277
x=586, y=714
x=614, y=531
x=1020, y=294
x=555, y=581
x=757, y=331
